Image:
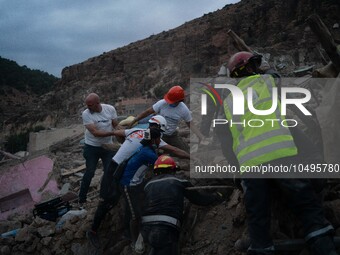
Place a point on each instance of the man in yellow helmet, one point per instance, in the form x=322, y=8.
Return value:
x=246, y=146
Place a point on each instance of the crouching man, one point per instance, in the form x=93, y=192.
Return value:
x=163, y=207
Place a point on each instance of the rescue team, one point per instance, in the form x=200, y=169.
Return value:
x=154, y=208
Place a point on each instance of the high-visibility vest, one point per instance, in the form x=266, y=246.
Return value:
x=257, y=145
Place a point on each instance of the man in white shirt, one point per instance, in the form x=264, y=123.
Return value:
x=173, y=109
x=99, y=121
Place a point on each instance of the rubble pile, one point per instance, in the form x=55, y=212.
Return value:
x=208, y=230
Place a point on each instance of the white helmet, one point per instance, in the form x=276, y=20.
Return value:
x=160, y=120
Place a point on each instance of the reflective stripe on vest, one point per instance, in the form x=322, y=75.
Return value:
x=161, y=218
x=258, y=145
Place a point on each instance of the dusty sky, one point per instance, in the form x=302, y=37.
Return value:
x=49, y=35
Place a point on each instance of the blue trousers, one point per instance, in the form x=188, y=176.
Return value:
x=92, y=154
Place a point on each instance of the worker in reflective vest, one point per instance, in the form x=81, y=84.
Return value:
x=274, y=144
x=260, y=144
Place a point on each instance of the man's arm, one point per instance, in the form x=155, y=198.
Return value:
x=142, y=115
x=176, y=151
x=98, y=133
x=120, y=133
x=116, y=125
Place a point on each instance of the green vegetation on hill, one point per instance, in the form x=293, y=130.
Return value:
x=22, y=78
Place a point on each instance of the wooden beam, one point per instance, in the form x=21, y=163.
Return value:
x=326, y=39
x=239, y=43
x=242, y=46
x=75, y=170
x=9, y=155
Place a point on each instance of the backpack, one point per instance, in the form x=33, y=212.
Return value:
x=52, y=209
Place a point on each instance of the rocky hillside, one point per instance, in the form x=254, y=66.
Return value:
x=20, y=88
x=197, y=49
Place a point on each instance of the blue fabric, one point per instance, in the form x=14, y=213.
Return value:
x=144, y=157
x=142, y=126
x=145, y=120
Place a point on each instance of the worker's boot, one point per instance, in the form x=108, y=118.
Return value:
x=322, y=245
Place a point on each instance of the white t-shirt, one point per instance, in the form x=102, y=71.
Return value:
x=172, y=114
x=131, y=144
x=102, y=121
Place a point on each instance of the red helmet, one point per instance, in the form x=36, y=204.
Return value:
x=239, y=60
x=174, y=95
x=164, y=163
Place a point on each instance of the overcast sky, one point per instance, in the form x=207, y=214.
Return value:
x=49, y=35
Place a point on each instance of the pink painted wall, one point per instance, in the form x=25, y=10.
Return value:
x=30, y=175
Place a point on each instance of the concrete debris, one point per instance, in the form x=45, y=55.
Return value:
x=65, y=189
x=25, y=184
x=224, y=223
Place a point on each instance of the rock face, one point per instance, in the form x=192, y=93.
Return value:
x=194, y=49
x=197, y=49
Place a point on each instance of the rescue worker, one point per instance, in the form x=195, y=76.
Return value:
x=131, y=182
x=99, y=120
x=173, y=109
x=162, y=214
x=109, y=191
x=267, y=145
x=132, y=138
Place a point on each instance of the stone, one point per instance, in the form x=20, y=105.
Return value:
x=22, y=235
x=69, y=235
x=5, y=250
x=45, y=231
x=46, y=240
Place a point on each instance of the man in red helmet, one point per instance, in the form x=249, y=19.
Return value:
x=162, y=214
x=173, y=109
x=275, y=146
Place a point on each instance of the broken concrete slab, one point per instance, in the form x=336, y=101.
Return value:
x=20, y=185
x=45, y=138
